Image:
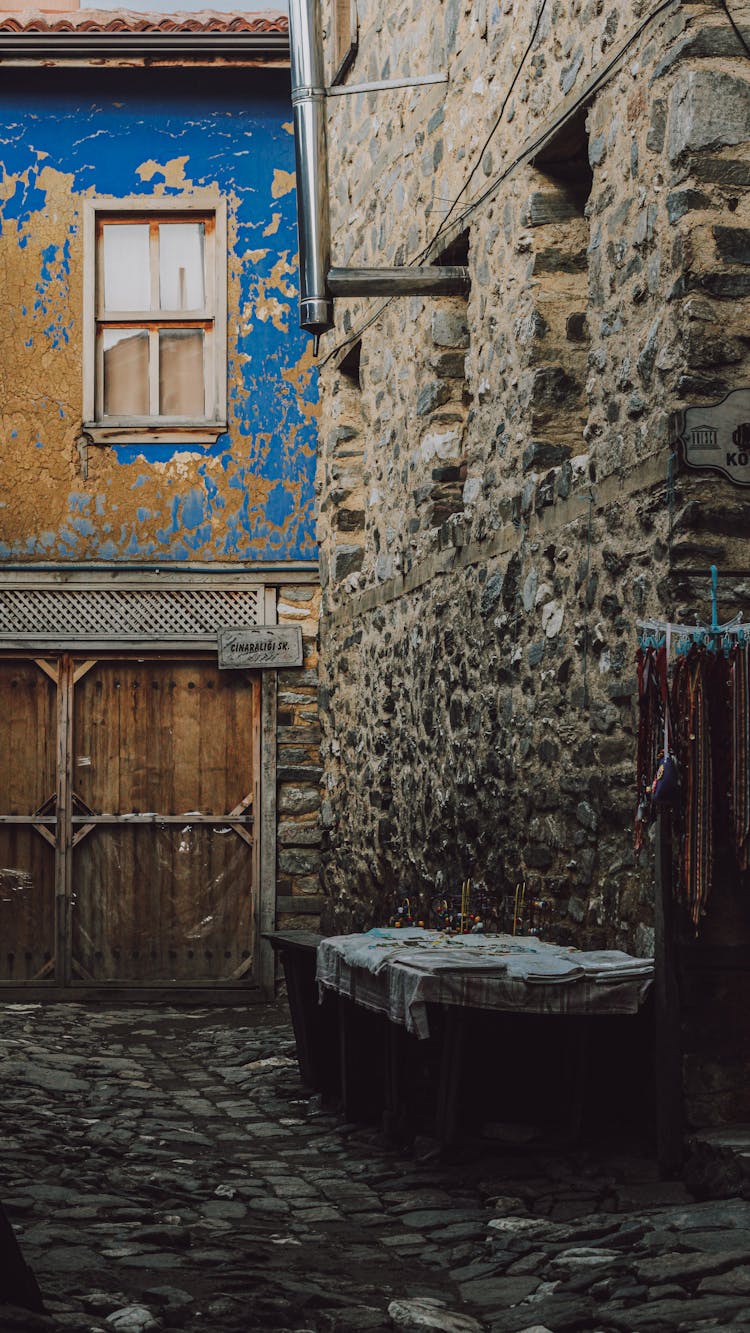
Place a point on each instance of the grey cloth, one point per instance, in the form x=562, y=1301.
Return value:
x=399, y=972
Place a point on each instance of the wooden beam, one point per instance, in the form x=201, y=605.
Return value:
x=46, y=834
x=243, y=833
x=414, y=280
x=80, y=671
x=300, y=904
x=244, y=804
x=82, y=833
x=80, y=971
x=34, y=820
x=47, y=668
x=243, y=969
x=152, y=818
x=64, y=840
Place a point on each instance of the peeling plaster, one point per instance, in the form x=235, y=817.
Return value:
x=249, y=496
x=283, y=182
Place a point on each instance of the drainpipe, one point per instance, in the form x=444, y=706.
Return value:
x=309, y=103
x=319, y=283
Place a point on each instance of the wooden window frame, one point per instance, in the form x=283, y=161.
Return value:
x=208, y=208
x=345, y=38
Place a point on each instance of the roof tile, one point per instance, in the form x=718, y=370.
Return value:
x=128, y=21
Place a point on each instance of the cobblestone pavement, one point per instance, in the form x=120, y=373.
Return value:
x=166, y=1169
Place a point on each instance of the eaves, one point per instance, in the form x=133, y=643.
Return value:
x=141, y=49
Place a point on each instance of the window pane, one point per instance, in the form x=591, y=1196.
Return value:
x=127, y=284
x=125, y=373
x=181, y=285
x=181, y=376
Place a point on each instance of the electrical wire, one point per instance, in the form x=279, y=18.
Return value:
x=528, y=152
x=737, y=31
x=500, y=115
x=420, y=255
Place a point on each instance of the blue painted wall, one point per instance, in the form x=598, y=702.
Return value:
x=250, y=495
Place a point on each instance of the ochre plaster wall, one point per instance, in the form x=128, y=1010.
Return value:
x=246, y=498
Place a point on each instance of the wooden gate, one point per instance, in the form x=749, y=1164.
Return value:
x=127, y=792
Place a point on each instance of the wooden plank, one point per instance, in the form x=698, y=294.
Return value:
x=307, y=940
x=243, y=969
x=188, y=818
x=189, y=994
x=668, y=1035
x=82, y=833
x=27, y=823
x=33, y=820
x=81, y=670
x=246, y=837
x=63, y=866
x=80, y=971
x=300, y=904
x=243, y=805
x=49, y=668
x=222, y=576
x=45, y=833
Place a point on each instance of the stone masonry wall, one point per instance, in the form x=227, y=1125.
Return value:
x=298, y=770
x=495, y=511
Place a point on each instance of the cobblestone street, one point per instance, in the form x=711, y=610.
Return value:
x=166, y=1169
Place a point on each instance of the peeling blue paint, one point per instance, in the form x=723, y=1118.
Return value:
x=249, y=495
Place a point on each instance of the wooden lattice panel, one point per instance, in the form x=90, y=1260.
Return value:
x=124, y=615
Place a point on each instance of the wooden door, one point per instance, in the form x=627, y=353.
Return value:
x=148, y=837
x=28, y=796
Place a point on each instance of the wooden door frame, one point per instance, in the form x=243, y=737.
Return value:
x=70, y=659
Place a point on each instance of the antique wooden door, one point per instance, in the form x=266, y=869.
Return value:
x=126, y=827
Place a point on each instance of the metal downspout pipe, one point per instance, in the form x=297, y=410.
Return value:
x=309, y=103
x=319, y=283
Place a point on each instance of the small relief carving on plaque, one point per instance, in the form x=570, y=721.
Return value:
x=717, y=437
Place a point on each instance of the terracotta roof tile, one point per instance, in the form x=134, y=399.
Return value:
x=128, y=21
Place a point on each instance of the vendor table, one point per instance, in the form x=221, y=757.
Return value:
x=410, y=976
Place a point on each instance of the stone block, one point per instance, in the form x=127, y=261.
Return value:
x=346, y=560
x=708, y=109
x=576, y=327
x=733, y=244
x=491, y=594
x=295, y=800
x=294, y=834
x=538, y=857
x=449, y=365
x=553, y=259
x=449, y=329
x=350, y=520
x=432, y=396
x=298, y=861
x=680, y=202
x=544, y=453
x=545, y=206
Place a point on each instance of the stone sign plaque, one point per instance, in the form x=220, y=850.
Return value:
x=261, y=646
x=718, y=436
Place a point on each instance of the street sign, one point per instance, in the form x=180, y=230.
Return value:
x=261, y=647
x=718, y=436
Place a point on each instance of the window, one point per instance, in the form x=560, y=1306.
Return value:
x=155, y=321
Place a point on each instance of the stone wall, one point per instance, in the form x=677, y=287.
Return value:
x=496, y=497
x=298, y=771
